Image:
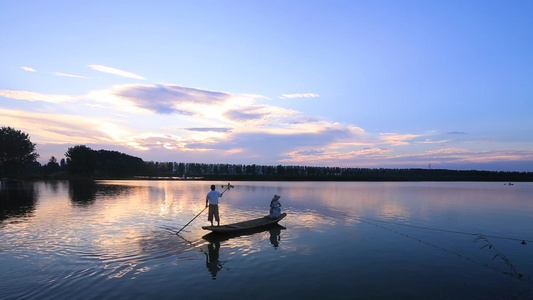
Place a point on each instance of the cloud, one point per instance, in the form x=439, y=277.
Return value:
x=244, y=115
x=382, y=157
x=28, y=69
x=446, y=151
x=65, y=128
x=428, y=141
x=116, y=72
x=327, y=156
x=395, y=139
x=260, y=115
x=209, y=129
x=70, y=75
x=460, y=156
x=276, y=144
x=291, y=96
x=208, y=109
x=165, y=121
x=32, y=96
x=168, y=98
x=456, y=132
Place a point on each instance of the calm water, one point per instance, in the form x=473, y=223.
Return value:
x=378, y=240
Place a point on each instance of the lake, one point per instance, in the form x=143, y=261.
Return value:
x=340, y=240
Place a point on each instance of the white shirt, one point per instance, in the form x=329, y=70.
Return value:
x=213, y=196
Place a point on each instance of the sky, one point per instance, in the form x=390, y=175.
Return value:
x=363, y=84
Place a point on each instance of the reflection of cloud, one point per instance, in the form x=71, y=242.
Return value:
x=115, y=72
x=393, y=211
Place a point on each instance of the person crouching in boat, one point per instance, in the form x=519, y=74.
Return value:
x=275, y=207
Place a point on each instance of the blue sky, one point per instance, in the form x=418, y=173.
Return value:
x=392, y=84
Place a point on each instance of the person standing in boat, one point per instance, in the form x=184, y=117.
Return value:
x=211, y=200
x=275, y=207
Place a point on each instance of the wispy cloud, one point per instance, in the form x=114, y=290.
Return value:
x=428, y=141
x=456, y=132
x=382, y=157
x=461, y=156
x=169, y=99
x=66, y=128
x=395, y=139
x=32, y=96
x=70, y=75
x=209, y=129
x=291, y=96
x=203, y=125
x=116, y=72
x=28, y=69
x=327, y=156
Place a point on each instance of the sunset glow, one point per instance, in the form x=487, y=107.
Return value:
x=349, y=83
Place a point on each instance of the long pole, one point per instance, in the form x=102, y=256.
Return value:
x=191, y=220
x=227, y=188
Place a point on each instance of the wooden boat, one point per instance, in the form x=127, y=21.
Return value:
x=245, y=225
x=217, y=237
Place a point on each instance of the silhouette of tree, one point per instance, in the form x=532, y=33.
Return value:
x=52, y=165
x=16, y=152
x=81, y=160
x=114, y=163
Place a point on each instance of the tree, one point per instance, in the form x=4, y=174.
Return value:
x=114, y=163
x=16, y=151
x=81, y=160
x=52, y=165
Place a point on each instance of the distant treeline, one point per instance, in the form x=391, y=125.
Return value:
x=84, y=162
x=18, y=160
x=262, y=172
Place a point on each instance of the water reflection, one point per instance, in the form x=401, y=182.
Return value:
x=401, y=237
x=54, y=185
x=275, y=236
x=82, y=192
x=85, y=192
x=17, y=199
x=274, y=230
x=213, y=262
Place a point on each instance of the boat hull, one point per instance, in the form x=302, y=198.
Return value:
x=245, y=225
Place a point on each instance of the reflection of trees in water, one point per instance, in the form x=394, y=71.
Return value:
x=82, y=192
x=85, y=192
x=53, y=185
x=17, y=199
